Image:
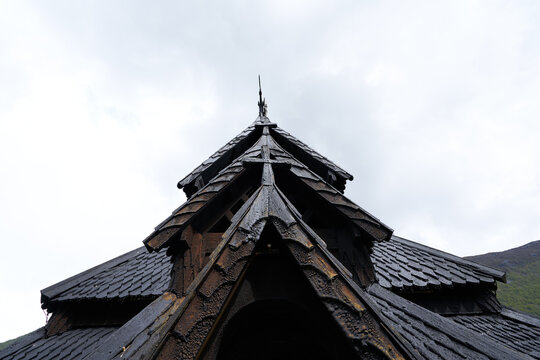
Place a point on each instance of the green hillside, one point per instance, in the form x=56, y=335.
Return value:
x=522, y=266
x=8, y=342
x=5, y=344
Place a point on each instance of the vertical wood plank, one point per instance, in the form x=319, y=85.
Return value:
x=177, y=274
x=197, y=252
x=188, y=268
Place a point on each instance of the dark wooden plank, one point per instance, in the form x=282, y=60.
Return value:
x=211, y=240
x=187, y=235
x=160, y=238
x=197, y=252
x=188, y=269
x=58, y=323
x=177, y=274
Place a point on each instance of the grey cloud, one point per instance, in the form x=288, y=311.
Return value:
x=432, y=107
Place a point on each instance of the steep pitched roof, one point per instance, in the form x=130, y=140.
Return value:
x=426, y=335
x=172, y=226
x=230, y=151
x=204, y=298
x=219, y=160
x=183, y=330
x=308, y=151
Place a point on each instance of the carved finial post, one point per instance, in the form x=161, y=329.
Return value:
x=262, y=102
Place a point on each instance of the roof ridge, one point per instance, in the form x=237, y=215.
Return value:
x=345, y=173
x=520, y=316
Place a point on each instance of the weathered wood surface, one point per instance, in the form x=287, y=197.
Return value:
x=215, y=286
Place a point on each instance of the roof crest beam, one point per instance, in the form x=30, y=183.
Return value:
x=265, y=143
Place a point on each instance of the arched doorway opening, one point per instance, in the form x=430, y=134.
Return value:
x=273, y=329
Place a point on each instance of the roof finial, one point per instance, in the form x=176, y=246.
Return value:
x=262, y=102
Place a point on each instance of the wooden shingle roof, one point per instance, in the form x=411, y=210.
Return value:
x=402, y=264
x=72, y=344
x=136, y=274
x=434, y=336
x=518, y=331
x=155, y=267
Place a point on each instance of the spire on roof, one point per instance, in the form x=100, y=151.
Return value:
x=262, y=102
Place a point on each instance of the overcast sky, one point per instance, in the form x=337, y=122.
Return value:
x=434, y=107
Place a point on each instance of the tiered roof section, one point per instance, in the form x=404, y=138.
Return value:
x=323, y=167
x=401, y=267
x=229, y=163
x=188, y=319
x=404, y=265
x=136, y=274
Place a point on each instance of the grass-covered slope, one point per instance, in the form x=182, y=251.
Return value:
x=522, y=266
x=5, y=344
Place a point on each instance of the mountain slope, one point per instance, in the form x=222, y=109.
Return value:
x=522, y=266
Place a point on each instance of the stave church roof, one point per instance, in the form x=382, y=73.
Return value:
x=267, y=241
